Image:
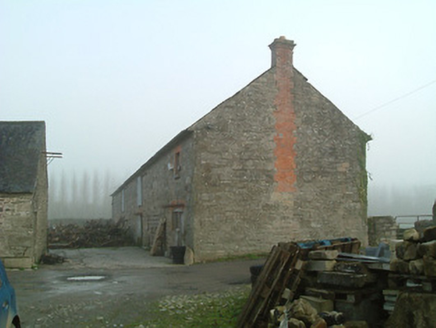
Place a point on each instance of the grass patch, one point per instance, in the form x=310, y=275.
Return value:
x=241, y=257
x=207, y=310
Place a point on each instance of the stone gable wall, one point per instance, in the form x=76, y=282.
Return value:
x=240, y=206
x=235, y=212
x=275, y=162
x=330, y=167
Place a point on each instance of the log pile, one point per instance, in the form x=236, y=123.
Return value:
x=94, y=233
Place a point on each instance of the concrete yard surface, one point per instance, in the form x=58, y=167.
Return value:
x=113, y=285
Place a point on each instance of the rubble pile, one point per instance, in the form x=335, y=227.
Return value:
x=411, y=293
x=289, y=291
x=329, y=283
x=94, y=233
x=50, y=258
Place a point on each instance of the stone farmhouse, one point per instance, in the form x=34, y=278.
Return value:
x=23, y=193
x=275, y=162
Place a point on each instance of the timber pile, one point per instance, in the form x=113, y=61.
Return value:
x=329, y=284
x=158, y=247
x=94, y=233
x=279, y=297
x=280, y=275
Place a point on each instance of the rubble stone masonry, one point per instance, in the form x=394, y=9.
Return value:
x=23, y=223
x=165, y=189
x=17, y=226
x=275, y=162
x=381, y=229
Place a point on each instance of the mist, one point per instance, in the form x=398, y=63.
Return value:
x=115, y=81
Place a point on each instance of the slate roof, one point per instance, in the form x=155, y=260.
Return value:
x=21, y=144
x=178, y=138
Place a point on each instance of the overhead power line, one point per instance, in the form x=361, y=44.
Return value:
x=396, y=99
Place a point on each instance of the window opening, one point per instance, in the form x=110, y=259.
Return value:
x=122, y=201
x=177, y=166
x=139, y=191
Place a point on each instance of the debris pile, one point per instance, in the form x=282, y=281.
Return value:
x=288, y=291
x=411, y=293
x=50, y=258
x=94, y=233
x=330, y=284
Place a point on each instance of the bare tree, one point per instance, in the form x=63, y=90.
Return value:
x=84, y=198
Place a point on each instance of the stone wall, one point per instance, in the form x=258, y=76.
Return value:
x=235, y=212
x=243, y=205
x=165, y=189
x=381, y=229
x=78, y=222
x=23, y=223
x=17, y=225
x=331, y=196
x=40, y=209
x=168, y=190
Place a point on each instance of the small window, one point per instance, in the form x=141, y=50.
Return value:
x=122, y=201
x=177, y=166
x=177, y=219
x=139, y=191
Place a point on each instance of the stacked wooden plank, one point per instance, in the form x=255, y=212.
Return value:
x=306, y=284
x=280, y=278
x=158, y=247
x=281, y=272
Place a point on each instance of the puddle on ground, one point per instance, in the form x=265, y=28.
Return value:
x=86, y=278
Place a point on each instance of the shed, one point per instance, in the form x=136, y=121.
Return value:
x=23, y=193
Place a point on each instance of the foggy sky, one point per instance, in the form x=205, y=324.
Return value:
x=116, y=80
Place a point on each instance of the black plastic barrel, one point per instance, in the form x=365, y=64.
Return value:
x=178, y=253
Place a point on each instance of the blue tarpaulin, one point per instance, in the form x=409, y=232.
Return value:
x=323, y=242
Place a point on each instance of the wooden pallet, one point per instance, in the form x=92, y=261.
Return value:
x=281, y=272
x=352, y=246
x=281, y=276
x=157, y=249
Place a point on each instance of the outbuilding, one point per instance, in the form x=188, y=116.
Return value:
x=23, y=193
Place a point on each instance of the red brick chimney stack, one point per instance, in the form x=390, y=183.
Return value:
x=284, y=115
x=282, y=51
